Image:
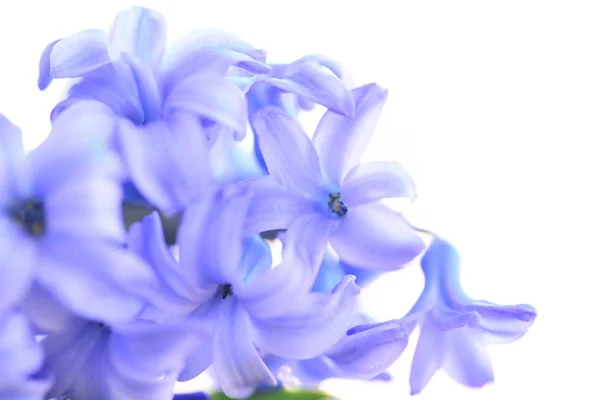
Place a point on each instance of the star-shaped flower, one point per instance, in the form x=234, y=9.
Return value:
x=323, y=179
x=456, y=329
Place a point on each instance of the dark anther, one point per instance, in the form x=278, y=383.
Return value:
x=30, y=215
x=225, y=291
x=336, y=205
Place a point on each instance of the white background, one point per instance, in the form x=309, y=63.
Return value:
x=494, y=108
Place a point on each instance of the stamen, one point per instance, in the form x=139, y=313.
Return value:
x=225, y=291
x=336, y=205
x=30, y=215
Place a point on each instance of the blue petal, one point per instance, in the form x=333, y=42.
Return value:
x=113, y=85
x=290, y=156
x=237, y=364
x=375, y=237
x=466, y=359
x=81, y=138
x=212, y=98
x=375, y=181
x=428, y=358
x=273, y=206
x=167, y=160
x=256, y=258
x=209, y=50
x=148, y=91
x=315, y=323
x=79, y=54
x=44, y=77
x=12, y=155
x=341, y=141
x=310, y=81
x=367, y=352
x=138, y=32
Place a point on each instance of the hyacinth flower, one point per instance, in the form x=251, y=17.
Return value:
x=60, y=220
x=332, y=270
x=455, y=329
x=322, y=180
x=365, y=352
x=134, y=360
x=21, y=360
x=227, y=281
x=169, y=102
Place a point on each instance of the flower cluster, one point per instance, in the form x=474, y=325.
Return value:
x=136, y=242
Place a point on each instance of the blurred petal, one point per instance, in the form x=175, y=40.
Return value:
x=12, y=155
x=98, y=281
x=76, y=209
x=427, y=359
x=330, y=273
x=466, y=359
x=81, y=137
x=237, y=364
x=167, y=160
x=79, y=54
x=273, y=206
x=315, y=323
x=375, y=181
x=373, y=236
x=18, y=259
x=113, y=85
x=209, y=50
x=45, y=312
x=198, y=361
x=22, y=356
x=506, y=327
x=44, y=77
x=274, y=293
x=341, y=141
x=139, y=32
x=311, y=81
x=288, y=152
x=371, y=350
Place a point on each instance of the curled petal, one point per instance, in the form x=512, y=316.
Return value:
x=44, y=77
x=237, y=364
x=212, y=98
x=507, y=326
x=315, y=323
x=375, y=181
x=167, y=160
x=79, y=54
x=370, y=350
x=139, y=32
x=373, y=236
x=312, y=82
x=274, y=292
x=209, y=50
x=288, y=152
x=341, y=141
x=331, y=272
x=273, y=206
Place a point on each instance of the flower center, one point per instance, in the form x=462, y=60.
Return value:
x=225, y=290
x=30, y=215
x=336, y=205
